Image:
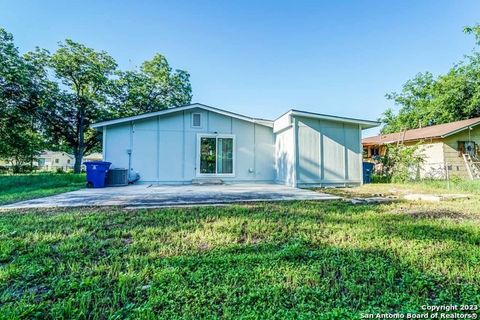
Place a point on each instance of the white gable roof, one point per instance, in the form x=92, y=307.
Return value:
x=48, y=154
x=365, y=124
x=285, y=120
x=263, y=122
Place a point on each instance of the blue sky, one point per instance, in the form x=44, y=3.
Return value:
x=261, y=58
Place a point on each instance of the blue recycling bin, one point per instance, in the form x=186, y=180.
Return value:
x=97, y=173
x=367, y=172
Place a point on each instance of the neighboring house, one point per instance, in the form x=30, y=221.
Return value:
x=96, y=156
x=443, y=147
x=195, y=142
x=53, y=160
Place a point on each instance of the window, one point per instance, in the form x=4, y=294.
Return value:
x=216, y=155
x=57, y=161
x=208, y=155
x=196, y=120
x=68, y=161
x=225, y=155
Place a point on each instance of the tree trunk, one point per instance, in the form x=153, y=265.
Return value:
x=77, y=167
x=79, y=150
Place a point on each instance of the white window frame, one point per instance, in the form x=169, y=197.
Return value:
x=217, y=136
x=191, y=121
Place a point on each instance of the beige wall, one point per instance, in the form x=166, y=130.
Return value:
x=433, y=165
x=64, y=160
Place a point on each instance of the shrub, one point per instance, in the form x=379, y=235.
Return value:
x=400, y=163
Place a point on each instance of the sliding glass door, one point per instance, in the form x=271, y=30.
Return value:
x=208, y=155
x=224, y=155
x=216, y=155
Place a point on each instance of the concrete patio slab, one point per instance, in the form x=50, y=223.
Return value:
x=145, y=196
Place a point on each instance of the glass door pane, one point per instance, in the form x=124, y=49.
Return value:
x=225, y=155
x=208, y=157
x=470, y=148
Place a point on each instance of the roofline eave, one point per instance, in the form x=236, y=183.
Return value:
x=460, y=130
x=365, y=124
x=396, y=141
x=99, y=125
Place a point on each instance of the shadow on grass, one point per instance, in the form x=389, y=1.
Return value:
x=291, y=215
x=268, y=280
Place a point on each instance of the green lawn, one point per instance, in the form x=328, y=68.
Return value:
x=15, y=188
x=435, y=187
x=327, y=260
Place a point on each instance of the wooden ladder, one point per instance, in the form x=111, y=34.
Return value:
x=473, y=166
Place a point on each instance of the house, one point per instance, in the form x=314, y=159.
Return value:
x=198, y=142
x=443, y=147
x=53, y=160
x=96, y=156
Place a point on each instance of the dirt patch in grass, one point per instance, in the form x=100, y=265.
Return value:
x=391, y=189
x=439, y=214
x=127, y=239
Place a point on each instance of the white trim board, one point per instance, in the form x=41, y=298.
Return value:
x=365, y=124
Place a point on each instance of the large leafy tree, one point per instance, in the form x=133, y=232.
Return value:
x=426, y=100
x=55, y=97
x=85, y=76
x=22, y=88
x=155, y=86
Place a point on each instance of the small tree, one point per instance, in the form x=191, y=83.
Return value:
x=401, y=163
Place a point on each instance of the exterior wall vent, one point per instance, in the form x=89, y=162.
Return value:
x=196, y=120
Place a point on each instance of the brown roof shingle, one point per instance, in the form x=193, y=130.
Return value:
x=436, y=131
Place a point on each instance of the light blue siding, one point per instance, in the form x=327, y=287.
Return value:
x=219, y=123
x=264, y=152
x=298, y=151
x=354, y=152
x=333, y=154
x=284, y=156
x=245, y=140
x=328, y=152
x=164, y=148
x=144, y=135
x=117, y=142
x=309, y=160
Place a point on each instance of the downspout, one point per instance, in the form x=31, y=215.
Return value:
x=255, y=152
x=361, y=153
x=104, y=143
x=295, y=152
x=129, y=152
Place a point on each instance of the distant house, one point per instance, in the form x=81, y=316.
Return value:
x=197, y=142
x=96, y=156
x=53, y=160
x=451, y=146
